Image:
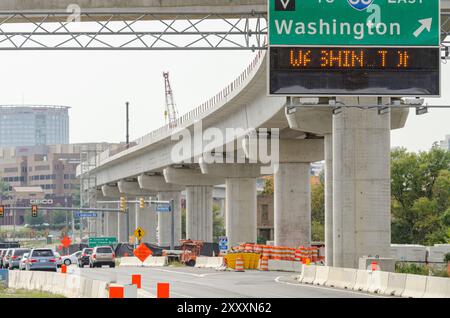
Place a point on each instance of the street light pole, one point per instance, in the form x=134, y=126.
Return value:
x=128, y=125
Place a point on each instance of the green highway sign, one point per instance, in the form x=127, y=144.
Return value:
x=102, y=241
x=354, y=23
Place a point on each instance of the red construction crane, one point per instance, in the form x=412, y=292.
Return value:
x=171, y=112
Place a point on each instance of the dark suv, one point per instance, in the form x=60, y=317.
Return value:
x=83, y=259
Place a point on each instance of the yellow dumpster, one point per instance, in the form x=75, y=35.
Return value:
x=251, y=260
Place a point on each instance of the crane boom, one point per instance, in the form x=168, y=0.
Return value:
x=171, y=112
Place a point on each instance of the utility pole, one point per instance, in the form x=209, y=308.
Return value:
x=128, y=125
x=172, y=225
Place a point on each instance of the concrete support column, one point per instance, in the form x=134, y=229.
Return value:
x=361, y=185
x=241, y=210
x=292, y=197
x=329, y=199
x=199, y=218
x=147, y=219
x=112, y=224
x=122, y=228
x=199, y=215
x=292, y=204
x=164, y=219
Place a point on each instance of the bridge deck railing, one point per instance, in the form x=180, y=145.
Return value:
x=190, y=116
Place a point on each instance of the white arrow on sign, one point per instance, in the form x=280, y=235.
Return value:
x=424, y=24
x=285, y=3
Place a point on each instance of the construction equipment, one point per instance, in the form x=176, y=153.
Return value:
x=190, y=250
x=171, y=112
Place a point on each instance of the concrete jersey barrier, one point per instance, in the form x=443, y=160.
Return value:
x=130, y=261
x=208, y=262
x=415, y=286
x=437, y=287
x=396, y=284
x=156, y=261
x=344, y=278
x=362, y=279
x=72, y=286
x=377, y=282
x=308, y=274
x=321, y=275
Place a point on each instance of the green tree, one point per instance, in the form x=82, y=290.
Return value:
x=4, y=189
x=218, y=224
x=268, y=186
x=420, y=189
x=318, y=211
x=34, y=220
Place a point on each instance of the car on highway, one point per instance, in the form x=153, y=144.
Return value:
x=23, y=261
x=2, y=254
x=41, y=259
x=16, y=256
x=102, y=255
x=83, y=259
x=71, y=259
x=6, y=258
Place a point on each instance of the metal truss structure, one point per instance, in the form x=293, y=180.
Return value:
x=445, y=27
x=144, y=30
x=132, y=31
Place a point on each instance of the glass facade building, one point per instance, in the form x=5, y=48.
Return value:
x=33, y=125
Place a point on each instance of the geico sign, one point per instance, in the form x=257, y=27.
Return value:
x=44, y=202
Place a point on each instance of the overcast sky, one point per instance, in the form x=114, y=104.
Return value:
x=97, y=84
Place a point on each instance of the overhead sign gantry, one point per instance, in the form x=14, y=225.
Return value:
x=354, y=47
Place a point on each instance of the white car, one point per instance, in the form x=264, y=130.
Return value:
x=70, y=259
x=23, y=261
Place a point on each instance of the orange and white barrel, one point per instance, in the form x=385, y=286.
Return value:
x=239, y=267
x=298, y=255
x=258, y=249
x=291, y=254
x=265, y=251
x=249, y=248
x=304, y=254
x=282, y=252
x=277, y=252
x=264, y=264
x=315, y=254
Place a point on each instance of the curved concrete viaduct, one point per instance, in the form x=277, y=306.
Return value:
x=355, y=144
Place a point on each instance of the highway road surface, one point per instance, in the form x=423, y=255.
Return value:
x=209, y=283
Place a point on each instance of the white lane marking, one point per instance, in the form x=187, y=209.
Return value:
x=185, y=273
x=277, y=279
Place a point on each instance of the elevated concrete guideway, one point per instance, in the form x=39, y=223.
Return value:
x=244, y=105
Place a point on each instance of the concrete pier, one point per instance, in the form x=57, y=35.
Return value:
x=199, y=213
x=292, y=197
x=199, y=200
x=328, y=199
x=361, y=185
x=165, y=219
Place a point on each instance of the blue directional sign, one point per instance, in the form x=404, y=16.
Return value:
x=85, y=215
x=163, y=208
x=223, y=243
